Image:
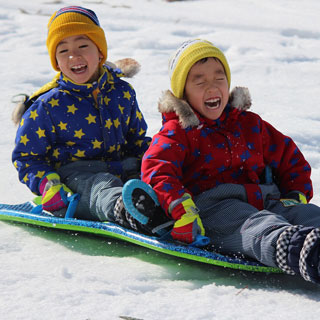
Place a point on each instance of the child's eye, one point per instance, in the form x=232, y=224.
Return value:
x=83, y=46
x=63, y=51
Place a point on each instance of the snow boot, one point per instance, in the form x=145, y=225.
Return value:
x=138, y=207
x=298, y=252
x=123, y=218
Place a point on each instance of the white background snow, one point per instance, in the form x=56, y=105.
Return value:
x=273, y=48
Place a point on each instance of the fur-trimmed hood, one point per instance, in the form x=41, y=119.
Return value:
x=239, y=98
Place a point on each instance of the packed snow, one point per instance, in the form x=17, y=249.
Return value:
x=273, y=48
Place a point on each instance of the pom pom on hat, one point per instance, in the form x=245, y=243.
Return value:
x=71, y=21
x=186, y=56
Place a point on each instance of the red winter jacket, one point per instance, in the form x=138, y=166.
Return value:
x=193, y=154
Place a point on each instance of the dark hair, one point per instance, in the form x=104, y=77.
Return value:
x=204, y=60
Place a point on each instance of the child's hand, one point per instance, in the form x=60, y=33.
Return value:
x=189, y=225
x=54, y=193
x=293, y=198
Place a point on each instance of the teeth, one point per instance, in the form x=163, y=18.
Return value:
x=78, y=67
x=215, y=100
x=213, y=103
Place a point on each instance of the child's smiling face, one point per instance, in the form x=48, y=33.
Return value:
x=78, y=58
x=207, y=89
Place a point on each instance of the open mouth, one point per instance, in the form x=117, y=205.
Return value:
x=213, y=103
x=79, y=68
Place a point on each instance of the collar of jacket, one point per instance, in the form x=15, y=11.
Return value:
x=108, y=77
x=187, y=116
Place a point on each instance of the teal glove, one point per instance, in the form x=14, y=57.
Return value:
x=188, y=225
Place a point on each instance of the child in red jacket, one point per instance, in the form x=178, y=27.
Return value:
x=209, y=167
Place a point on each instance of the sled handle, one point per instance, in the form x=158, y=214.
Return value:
x=72, y=206
x=200, y=241
x=73, y=202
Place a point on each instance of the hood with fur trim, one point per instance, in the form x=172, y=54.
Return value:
x=239, y=99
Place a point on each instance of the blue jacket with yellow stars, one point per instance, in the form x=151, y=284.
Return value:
x=71, y=122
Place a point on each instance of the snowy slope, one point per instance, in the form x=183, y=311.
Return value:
x=273, y=48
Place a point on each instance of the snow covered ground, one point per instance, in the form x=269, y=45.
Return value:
x=273, y=48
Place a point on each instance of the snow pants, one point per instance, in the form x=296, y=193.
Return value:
x=98, y=189
x=236, y=227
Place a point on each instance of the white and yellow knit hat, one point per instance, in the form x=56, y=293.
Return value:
x=71, y=21
x=186, y=56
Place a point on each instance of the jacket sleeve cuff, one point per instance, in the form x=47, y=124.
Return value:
x=297, y=195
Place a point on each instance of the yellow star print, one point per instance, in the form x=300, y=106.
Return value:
x=24, y=139
x=62, y=126
x=112, y=149
x=41, y=133
x=57, y=165
x=128, y=121
x=72, y=109
x=25, y=178
x=91, y=118
x=127, y=95
x=65, y=91
x=40, y=174
x=138, y=143
x=116, y=123
x=108, y=124
x=33, y=114
x=78, y=133
x=97, y=144
x=56, y=153
x=80, y=154
x=121, y=108
x=54, y=102
x=70, y=143
x=24, y=154
x=139, y=115
x=141, y=132
x=106, y=100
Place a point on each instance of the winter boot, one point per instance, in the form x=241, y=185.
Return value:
x=138, y=208
x=123, y=218
x=298, y=252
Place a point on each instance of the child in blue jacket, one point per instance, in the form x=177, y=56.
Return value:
x=85, y=132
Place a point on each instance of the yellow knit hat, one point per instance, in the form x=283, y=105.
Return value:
x=71, y=21
x=186, y=56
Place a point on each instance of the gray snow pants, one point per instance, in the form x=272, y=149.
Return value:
x=98, y=189
x=237, y=227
